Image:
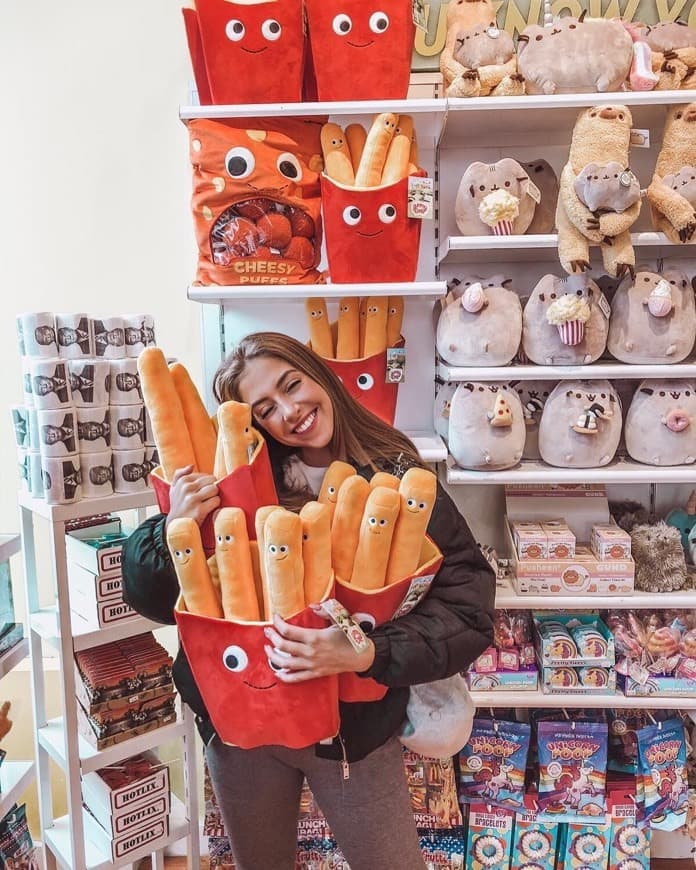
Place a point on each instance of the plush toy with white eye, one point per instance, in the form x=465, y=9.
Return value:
x=487, y=428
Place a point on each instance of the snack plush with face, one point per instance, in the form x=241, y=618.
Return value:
x=542, y=174
x=477, y=210
x=672, y=212
x=487, y=58
x=482, y=327
x=581, y=425
x=661, y=423
x=607, y=187
x=573, y=56
x=487, y=429
x=563, y=322
x=673, y=46
x=533, y=396
x=653, y=319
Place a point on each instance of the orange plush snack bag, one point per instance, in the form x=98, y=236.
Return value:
x=418, y=490
x=198, y=422
x=235, y=567
x=336, y=473
x=283, y=563
x=345, y=528
x=190, y=564
x=316, y=550
x=376, y=531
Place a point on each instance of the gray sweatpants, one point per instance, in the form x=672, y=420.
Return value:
x=258, y=791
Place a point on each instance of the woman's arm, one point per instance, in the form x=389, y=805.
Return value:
x=454, y=622
x=149, y=580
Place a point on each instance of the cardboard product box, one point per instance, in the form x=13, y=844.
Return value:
x=581, y=505
x=530, y=540
x=129, y=795
x=578, y=681
x=152, y=835
x=110, y=722
x=425, y=86
x=547, y=654
x=93, y=526
x=97, y=600
x=609, y=541
x=524, y=680
x=665, y=686
x=85, y=726
x=560, y=541
x=99, y=553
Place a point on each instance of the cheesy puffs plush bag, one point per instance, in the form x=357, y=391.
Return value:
x=256, y=200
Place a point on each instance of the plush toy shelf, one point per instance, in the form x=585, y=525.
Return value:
x=217, y=295
x=610, y=369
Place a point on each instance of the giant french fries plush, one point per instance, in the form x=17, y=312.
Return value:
x=356, y=135
x=236, y=433
x=284, y=572
x=319, y=327
x=235, y=566
x=348, y=331
x=418, y=489
x=376, y=325
x=376, y=531
x=190, y=564
x=198, y=422
x=337, y=157
x=262, y=514
x=345, y=528
x=395, y=317
x=336, y=473
x=375, y=152
x=316, y=550
x=383, y=478
x=399, y=154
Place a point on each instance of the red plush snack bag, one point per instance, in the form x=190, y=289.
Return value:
x=256, y=200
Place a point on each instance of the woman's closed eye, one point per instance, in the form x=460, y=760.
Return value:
x=265, y=412
x=292, y=385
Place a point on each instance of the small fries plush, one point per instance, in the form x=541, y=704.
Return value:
x=365, y=326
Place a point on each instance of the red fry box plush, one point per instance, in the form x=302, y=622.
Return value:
x=361, y=49
x=366, y=381
x=369, y=236
x=247, y=51
x=256, y=201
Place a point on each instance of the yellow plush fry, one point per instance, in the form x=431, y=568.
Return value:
x=234, y=419
x=235, y=566
x=262, y=514
x=374, y=154
x=316, y=549
x=345, y=529
x=395, y=318
x=363, y=323
x=201, y=430
x=258, y=582
x=376, y=325
x=376, y=531
x=319, y=327
x=355, y=137
x=335, y=474
x=219, y=468
x=418, y=491
x=383, y=478
x=214, y=574
x=191, y=566
x=337, y=159
x=348, y=338
x=413, y=155
x=283, y=563
x=172, y=437
x=398, y=156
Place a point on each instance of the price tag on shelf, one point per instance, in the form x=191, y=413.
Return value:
x=421, y=197
x=396, y=365
x=533, y=191
x=604, y=305
x=640, y=138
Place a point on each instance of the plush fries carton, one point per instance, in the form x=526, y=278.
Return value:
x=369, y=236
x=248, y=705
x=559, y=539
x=609, y=541
x=248, y=487
x=373, y=607
x=530, y=540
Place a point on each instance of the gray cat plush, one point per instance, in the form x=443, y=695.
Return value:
x=487, y=58
x=542, y=174
x=607, y=187
x=661, y=423
x=487, y=428
x=481, y=327
x=483, y=180
x=653, y=320
x=442, y=407
x=533, y=396
x=684, y=183
x=563, y=322
x=581, y=425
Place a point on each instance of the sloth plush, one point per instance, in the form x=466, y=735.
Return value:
x=481, y=327
x=494, y=194
x=672, y=211
x=653, y=319
x=673, y=47
x=533, y=396
x=581, y=425
x=563, y=322
x=661, y=423
x=487, y=428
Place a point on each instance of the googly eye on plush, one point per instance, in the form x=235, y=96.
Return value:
x=342, y=24
x=272, y=549
x=188, y=551
x=411, y=502
x=365, y=381
x=366, y=621
x=284, y=548
x=235, y=30
x=228, y=539
x=351, y=215
x=235, y=659
x=422, y=505
x=271, y=30
x=379, y=22
x=240, y=162
x=332, y=490
x=387, y=213
x=383, y=522
x=289, y=166
x=178, y=554
x=218, y=538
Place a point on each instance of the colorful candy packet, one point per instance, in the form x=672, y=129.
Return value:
x=444, y=849
x=662, y=761
x=629, y=845
x=534, y=841
x=623, y=744
x=585, y=846
x=572, y=769
x=489, y=838
x=493, y=763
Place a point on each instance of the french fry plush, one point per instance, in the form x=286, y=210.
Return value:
x=316, y=550
x=190, y=564
x=337, y=157
x=336, y=473
x=399, y=154
x=166, y=414
x=235, y=567
x=395, y=317
x=363, y=323
x=376, y=325
x=214, y=574
x=413, y=164
x=236, y=433
x=219, y=467
x=201, y=430
x=374, y=154
x=319, y=327
x=376, y=531
x=258, y=582
x=356, y=135
x=348, y=337
x=345, y=528
x=418, y=490
x=383, y=478
x=262, y=514
x=283, y=563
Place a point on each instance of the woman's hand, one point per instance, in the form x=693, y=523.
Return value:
x=306, y=653
x=192, y=495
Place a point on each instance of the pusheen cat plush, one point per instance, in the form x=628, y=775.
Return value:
x=673, y=46
x=581, y=425
x=607, y=187
x=492, y=196
x=481, y=327
x=661, y=423
x=487, y=57
x=684, y=183
x=442, y=408
x=533, y=396
x=574, y=56
x=542, y=174
x=653, y=319
x=563, y=322
x=487, y=429
x=672, y=211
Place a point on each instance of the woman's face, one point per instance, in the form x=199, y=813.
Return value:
x=287, y=403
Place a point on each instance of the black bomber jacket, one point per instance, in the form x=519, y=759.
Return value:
x=447, y=630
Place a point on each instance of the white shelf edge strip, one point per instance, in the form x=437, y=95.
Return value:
x=610, y=370
x=15, y=779
x=507, y=598
x=87, y=506
x=218, y=293
x=619, y=471
x=539, y=699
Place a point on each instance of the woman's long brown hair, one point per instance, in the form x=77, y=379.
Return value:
x=359, y=436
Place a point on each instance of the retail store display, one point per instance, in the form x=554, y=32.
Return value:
x=533, y=396
x=488, y=63
x=660, y=558
x=487, y=428
x=544, y=177
x=495, y=199
x=672, y=211
x=511, y=662
x=673, y=47
x=462, y=18
x=16, y=845
x=659, y=428
x=493, y=763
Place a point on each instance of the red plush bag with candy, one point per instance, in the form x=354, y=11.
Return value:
x=256, y=200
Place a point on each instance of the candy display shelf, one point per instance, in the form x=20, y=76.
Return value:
x=498, y=698
x=609, y=369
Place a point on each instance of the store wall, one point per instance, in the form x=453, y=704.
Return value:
x=93, y=201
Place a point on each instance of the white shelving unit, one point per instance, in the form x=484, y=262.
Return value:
x=532, y=700
x=76, y=841
x=609, y=369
